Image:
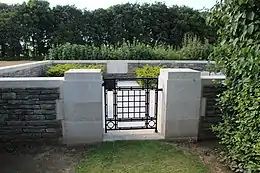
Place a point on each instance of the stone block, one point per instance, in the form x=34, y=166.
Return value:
x=183, y=109
x=182, y=73
x=60, y=109
x=9, y=96
x=50, y=117
x=186, y=128
x=49, y=97
x=48, y=106
x=83, y=75
x=184, y=89
x=44, y=112
x=82, y=132
x=82, y=92
x=91, y=111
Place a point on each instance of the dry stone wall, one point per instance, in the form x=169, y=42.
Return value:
x=212, y=112
x=29, y=114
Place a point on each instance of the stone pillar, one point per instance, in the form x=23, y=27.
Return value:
x=179, y=103
x=82, y=107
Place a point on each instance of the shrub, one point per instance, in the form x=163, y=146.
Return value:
x=238, y=56
x=148, y=72
x=60, y=69
x=192, y=49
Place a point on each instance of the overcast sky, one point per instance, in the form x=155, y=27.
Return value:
x=94, y=4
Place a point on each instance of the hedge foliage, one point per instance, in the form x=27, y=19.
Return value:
x=59, y=69
x=238, y=55
x=192, y=49
x=148, y=72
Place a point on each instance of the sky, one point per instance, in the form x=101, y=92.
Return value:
x=94, y=4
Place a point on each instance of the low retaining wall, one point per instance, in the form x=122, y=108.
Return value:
x=131, y=65
x=195, y=65
x=38, y=69
x=211, y=114
x=28, y=109
x=35, y=69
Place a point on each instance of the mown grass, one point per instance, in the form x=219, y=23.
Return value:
x=140, y=157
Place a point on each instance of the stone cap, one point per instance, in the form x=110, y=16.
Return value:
x=18, y=67
x=179, y=73
x=208, y=80
x=83, y=75
x=31, y=82
x=117, y=66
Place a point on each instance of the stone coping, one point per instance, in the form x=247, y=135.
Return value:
x=31, y=82
x=132, y=61
x=208, y=80
x=18, y=67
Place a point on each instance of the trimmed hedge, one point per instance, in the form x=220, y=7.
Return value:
x=148, y=72
x=60, y=69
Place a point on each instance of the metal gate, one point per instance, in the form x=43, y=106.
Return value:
x=130, y=103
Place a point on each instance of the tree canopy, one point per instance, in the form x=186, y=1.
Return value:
x=31, y=29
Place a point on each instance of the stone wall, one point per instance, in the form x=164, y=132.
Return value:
x=35, y=69
x=29, y=114
x=195, y=65
x=133, y=64
x=212, y=114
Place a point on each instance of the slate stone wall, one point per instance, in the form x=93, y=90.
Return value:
x=29, y=114
x=133, y=64
x=200, y=66
x=36, y=71
x=212, y=112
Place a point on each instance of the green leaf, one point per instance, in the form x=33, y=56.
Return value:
x=251, y=16
x=235, y=41
x=250, y=29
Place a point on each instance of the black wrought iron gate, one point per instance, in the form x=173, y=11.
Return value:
x=130, y=103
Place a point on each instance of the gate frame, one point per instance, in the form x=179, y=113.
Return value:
x=110, y=84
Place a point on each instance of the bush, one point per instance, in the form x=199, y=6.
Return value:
x=148, y=72
x=193, y=49
x=238, y=56
x=60, y=69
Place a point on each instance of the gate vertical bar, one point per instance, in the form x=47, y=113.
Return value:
x=146, y=103
x=115, y=106
x=105, y=107
x=156, y=106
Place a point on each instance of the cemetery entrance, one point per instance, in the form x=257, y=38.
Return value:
x=130, y=103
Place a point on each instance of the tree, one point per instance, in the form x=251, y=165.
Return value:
x=31, y=29
x=68, y=25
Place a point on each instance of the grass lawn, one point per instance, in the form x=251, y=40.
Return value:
x=139, y=157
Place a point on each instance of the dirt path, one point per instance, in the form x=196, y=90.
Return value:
x=208, y=151
x=44, y=159
x=8, y=63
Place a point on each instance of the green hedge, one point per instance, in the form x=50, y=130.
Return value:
x=192, y=50
x=60, y=69
x=148, y=72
